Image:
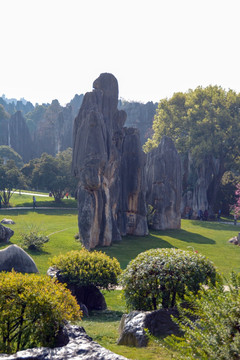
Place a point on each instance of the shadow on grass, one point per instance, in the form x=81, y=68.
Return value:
x=4, y=244
x=104, y=316
x=36, y=252
x=185, y=236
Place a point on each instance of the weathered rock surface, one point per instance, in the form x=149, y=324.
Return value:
x=164, y=190
x=89, y=297
x=54, y=130
x=199, y=184
x=13, y=257
x=139, y=116
x=19, y=136
x=159, y=323
x=5, y=233
x=106, y=199
x=79, y=347
x=15, y=134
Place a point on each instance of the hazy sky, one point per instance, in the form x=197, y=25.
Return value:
x=56, y=48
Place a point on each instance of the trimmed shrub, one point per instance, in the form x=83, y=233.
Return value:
x=33, y=239
x=33, y=310
x=215, y=332
x=158, y=276
x=84, y=268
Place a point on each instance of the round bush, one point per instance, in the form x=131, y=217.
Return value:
x=156, y=277
x=33, y=310
x=84, y=268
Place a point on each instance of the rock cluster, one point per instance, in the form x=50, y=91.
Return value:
x=77, y=346
x=109, y=162
x=159, y=323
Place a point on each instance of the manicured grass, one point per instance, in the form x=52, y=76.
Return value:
x=208, y=238
x=59, y=225
x=22, y=200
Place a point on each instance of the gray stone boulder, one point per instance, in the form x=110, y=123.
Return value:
x=7, y=221
x=5, y=233
x=110, y=195
x=159, y=323
x=164, y=188
x=235, y=240
x=79, y=347
x=15, y=258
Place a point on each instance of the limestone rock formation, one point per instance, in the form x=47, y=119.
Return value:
x=164, y=190
x=15, y=134
x=79, y=346
x=5, y=233
x=139, y=116
x=159, y=323
x=54, y=130
x=109, y=199
x=13, y=257
x=199, y=184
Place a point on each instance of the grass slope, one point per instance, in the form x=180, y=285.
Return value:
x=208, y=238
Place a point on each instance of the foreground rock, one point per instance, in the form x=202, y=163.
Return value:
x=164, y=188
x=88, y=297
x=79, y=347
x=235, y=240
x=159, y=323
x=109, y=162
x=5, y=233
x=15, y=258
x=7, y=221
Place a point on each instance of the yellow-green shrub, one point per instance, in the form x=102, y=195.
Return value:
x=85, y=268
x=33, y=309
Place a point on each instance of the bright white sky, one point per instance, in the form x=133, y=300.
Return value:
x=54, y=49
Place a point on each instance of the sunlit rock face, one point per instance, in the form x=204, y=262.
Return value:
x=164, y=187
x=109, y=162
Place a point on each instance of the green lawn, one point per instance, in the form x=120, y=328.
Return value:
x=208, y=238
x=60, y=225
x=22, y=200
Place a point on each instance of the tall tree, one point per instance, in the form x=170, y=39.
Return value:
x=11, y=179
x=53, y=173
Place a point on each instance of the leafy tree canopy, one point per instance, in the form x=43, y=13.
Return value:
x=204, y=121
x=7, y=153
x=53, y=173
x=11, y=179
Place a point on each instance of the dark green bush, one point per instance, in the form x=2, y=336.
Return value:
x=33, y=239
x=33, y=309
x=157, y=277
x=85, y=268
x=215, y=333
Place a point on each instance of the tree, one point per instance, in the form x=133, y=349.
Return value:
x=7, y=153
x=11, y=179
x=53, y=173
x=204, y=122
